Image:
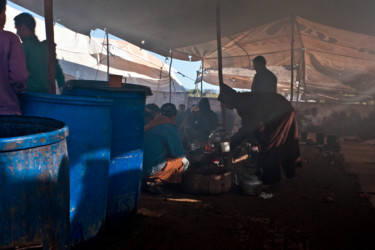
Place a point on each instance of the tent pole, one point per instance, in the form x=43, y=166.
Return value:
x=106, y=33
x=170, y=78
x=196, y=88
x=51, y=49
x=292, y=59
x=202, y=80
x=303, y=73
x=220, y=58
x=300, y=76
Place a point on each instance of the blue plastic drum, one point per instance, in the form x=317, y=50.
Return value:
x=125, y=171
x=34, y=183
x=89, y=146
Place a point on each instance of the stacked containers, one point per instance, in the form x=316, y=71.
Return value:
x=125, y=170
x=89, y=146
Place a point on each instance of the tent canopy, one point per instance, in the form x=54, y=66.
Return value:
x=163, y=25
x=84, y=57
x=327, y=60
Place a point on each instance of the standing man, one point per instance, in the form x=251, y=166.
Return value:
x=13, y=73
x=264, y=80
x=36, y=55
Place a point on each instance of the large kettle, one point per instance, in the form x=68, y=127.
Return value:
x=218, y=135
x=251, y=185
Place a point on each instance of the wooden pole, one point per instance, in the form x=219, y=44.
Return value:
x=302, y=74
x=220, y=57
x=170, y=78
x=299, y=78
x=202, y=81
x=292, y=59
x=51, y=52
x=304, y=71
x=106, y=33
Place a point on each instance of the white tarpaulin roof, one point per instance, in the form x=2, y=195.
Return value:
x=160, y=26
x=170, y=24
x=84, y=57
x=328, y=60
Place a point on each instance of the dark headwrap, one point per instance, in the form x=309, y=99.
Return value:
x=168, y=110
x=204, y=104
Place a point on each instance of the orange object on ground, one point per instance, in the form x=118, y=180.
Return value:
x=171, y=173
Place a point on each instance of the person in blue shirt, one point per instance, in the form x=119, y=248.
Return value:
x=164, y=157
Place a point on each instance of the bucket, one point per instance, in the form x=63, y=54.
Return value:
x=34, y=183
x=127, y=141
x=89, y=146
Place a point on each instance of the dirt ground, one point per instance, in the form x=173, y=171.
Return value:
x=323, y=207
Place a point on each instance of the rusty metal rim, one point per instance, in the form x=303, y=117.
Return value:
x=33, y=140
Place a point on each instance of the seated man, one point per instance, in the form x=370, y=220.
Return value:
x=180, y=115
x=151, y=111
x=207, y=120
x=199, y=124
x=187, y=130
x=164, y=157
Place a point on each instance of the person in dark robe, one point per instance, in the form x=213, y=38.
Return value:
x=187, y=130
x=181, y=113
x=269, y=120
x=264, y=79
x=207, y=119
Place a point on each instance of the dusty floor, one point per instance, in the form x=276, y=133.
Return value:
x=327, y=206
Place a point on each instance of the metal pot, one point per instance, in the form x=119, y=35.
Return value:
x=219, y=135
x=251, y=185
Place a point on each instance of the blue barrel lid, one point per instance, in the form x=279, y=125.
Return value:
x=74, y=100
x=103, y=85
x=22, y=132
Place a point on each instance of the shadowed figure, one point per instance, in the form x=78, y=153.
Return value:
x=269, y=121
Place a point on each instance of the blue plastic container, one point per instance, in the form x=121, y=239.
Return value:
x=89, y=143
x=125, y=171
x=34, y=183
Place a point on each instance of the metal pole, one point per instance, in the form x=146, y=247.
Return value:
x=106, y=33
x=51, y=52
x=220, y=57
x=202, y=80
x=170, y=78
x=292, y=60
x=302, y=75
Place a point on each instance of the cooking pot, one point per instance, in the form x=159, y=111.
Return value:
x=251, y=185
x=218, y=135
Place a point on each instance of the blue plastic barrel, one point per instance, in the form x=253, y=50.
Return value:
x=34, y=183
x=125, y=170
x=89, y=144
